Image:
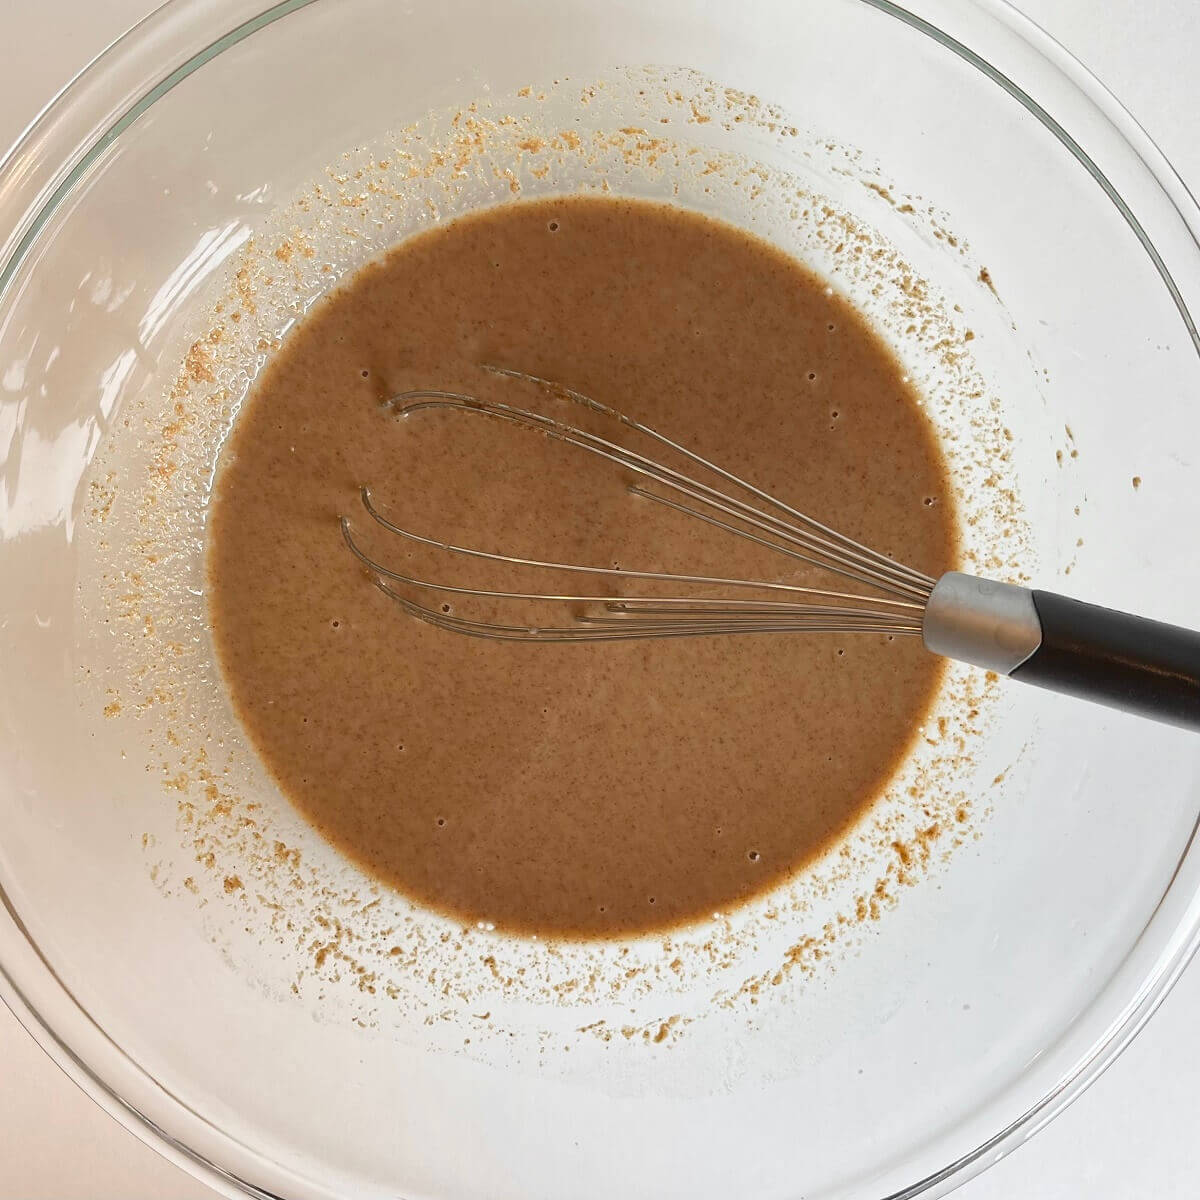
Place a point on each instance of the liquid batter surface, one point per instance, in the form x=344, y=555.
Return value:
x=596, y=789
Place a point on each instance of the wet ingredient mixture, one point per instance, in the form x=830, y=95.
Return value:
x=595, y=789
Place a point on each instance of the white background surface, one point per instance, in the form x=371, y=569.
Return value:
x=1134, y=1134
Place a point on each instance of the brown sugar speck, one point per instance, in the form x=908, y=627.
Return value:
x=198, y=363
x=232, y=884
x=1137, y=483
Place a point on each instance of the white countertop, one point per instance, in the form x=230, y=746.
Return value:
x=1131, y=1135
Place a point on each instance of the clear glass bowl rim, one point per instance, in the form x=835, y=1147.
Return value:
x=144, y=64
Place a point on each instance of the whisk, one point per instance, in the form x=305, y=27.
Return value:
x=1038, y=637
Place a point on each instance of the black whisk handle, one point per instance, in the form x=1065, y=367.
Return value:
x=1127, y=662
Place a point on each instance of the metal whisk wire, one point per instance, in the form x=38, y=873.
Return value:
x=799, y=537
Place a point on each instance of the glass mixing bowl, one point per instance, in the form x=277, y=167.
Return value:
x=190, y=953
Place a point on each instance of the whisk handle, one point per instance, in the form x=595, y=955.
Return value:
x=1127, y=662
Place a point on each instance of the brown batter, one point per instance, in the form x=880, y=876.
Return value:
x=569, y=789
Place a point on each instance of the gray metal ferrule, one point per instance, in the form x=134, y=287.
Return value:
x=978, y=621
